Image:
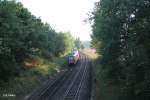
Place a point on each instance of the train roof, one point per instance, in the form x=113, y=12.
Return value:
x=74, y=53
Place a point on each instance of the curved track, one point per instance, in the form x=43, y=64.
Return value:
x=71, y=84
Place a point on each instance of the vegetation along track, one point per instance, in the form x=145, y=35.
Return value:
x=71, y=84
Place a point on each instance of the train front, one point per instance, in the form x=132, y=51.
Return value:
x=73, y=58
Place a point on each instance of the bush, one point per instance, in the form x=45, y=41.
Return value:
x=8, y=67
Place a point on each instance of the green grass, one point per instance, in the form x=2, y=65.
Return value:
x=31, y=78
x=61, y=61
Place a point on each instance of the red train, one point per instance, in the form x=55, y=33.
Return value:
x=73, y=58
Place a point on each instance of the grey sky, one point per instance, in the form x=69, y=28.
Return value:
x=63, y=15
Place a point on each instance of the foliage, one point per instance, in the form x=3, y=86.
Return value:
x=30, y=80
x=65, y=43
x=78, y=44
x=121, y=36
x=23, y=35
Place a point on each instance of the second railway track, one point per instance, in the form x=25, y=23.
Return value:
x=71, y=84
x=72, y=92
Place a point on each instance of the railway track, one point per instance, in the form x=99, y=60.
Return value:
x=71, y=84
x=64, y=87
x=74, y=90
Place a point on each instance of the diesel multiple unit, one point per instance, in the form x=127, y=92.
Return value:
x=73, y=58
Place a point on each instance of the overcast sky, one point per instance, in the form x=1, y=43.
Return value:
x=63, y=15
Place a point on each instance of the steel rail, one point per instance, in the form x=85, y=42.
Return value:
x=51, y=85
x=82, y=81
x=64, y=87
x=45, y=86
x=68, y=95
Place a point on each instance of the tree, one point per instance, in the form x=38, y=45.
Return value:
x=121, y=35
x=78, y=44
x=23, y=35
x=65, y=43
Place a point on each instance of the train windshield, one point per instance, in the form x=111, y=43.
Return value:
x=70, y=57
x=74, y=53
